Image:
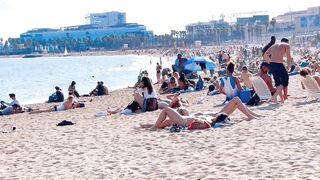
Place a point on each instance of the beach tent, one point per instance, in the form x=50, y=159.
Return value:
x=193, y=64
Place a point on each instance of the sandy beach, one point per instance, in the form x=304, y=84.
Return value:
x=285, y=144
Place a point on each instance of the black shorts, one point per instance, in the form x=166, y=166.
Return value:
x=280, y=74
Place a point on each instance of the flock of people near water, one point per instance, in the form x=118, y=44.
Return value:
x=232, y=79
x=71, y=102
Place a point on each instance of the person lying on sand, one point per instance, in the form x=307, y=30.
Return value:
x=182, y=117
x=173, y=101
x=68, y=104
x=13, y=109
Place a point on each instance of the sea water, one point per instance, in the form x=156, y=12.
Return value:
x=34, y=79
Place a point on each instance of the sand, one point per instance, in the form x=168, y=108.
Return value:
x=283, y=145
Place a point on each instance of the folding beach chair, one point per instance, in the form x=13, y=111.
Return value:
x=261, y=88
x=311, y=86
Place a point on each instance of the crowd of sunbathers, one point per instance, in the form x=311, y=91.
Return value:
x=70, y=103
x=234, y=80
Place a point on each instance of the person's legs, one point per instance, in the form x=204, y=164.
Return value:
x=278, y=93
x=236, y=103
x=285, y=93
x=173, y=115
x=139, y=99
x=41, y=111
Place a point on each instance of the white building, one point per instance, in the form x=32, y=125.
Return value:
x=305, y=21
x=106, y=19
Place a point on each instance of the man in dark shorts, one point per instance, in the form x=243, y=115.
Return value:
x=275, y=56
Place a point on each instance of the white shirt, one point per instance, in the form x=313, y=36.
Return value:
x=146, y=94
x=12, y=103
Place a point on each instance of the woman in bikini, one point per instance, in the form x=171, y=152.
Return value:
x=182, y=117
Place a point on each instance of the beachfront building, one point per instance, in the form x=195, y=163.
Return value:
x=302, y=26
x=102, y=31
x=212, y=32
x=106, y=19
x=254, y=27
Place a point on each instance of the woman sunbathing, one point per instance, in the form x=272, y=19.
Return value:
x=181, y=117
x=68, y=104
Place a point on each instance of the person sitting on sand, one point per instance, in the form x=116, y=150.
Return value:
x=12, y=109
x=183, y=83
x=14, y=101
x=57, y=96
x=68, y=104
x=245, y=78
x=100, y=90
x=146, y=95
x=264, y=74
x=230, y=85
x=72, y=89
x=183, y=118
x=169, y=87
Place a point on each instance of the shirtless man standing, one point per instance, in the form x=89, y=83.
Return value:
x=279, y=71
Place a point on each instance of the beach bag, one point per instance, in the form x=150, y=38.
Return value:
x=245, y=95
x=133, y=106
x=254, y=101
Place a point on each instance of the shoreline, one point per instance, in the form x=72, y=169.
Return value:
x=148, y=52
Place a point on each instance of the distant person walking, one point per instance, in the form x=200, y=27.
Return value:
x=158, y=69
x=275, y=56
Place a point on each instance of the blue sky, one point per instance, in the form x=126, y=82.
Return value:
x=18, y=16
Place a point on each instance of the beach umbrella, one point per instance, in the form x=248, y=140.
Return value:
x=193, y=64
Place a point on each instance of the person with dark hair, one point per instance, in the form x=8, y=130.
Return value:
x=14, y=101
x=182, y=117
x=146, y=95
x=272, y=42
x=264, y=74
x=230, y=85
x=12, y=109
x=72, y=89
x=57, y=96
x=179, y=64
x=100, y=90
x=307, y=72
x=275, y=56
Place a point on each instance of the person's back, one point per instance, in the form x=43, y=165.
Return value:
x=245, y=77
x=60, y=96
x=275, y=56
x=278, y=52
x=100, y=90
